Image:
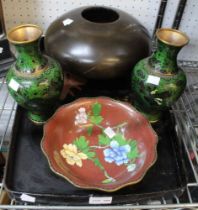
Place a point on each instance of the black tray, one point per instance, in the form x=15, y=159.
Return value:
x=28, y=171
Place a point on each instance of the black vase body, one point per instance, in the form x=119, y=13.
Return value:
x=97, y=42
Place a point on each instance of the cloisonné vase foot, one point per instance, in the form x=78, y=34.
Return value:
x=38, y=117
x=152, y=115
x=157, y=82
x=35, y=81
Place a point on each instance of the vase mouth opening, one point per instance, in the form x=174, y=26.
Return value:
x=24, y=34
x=172, y=37
x=100, y=15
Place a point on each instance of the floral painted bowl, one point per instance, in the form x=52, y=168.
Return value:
x=99, y=143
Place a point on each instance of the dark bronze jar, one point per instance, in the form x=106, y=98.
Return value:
x=97, y=42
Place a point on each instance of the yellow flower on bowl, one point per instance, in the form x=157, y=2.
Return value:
x=72, y=156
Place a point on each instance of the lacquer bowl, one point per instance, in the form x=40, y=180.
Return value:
x=99, y=143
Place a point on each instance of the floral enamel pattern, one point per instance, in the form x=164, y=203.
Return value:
x=99, y=143
x=116, y=148
x=72, y=156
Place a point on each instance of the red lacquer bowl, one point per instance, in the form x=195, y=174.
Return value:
x=99, y=143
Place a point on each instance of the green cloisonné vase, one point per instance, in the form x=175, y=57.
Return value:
x=35, y=81
x=157, y=81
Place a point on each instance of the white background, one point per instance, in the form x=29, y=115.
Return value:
x=43, y=12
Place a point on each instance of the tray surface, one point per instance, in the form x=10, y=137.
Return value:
x=28, y=170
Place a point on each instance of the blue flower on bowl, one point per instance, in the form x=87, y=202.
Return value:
x=117, y=153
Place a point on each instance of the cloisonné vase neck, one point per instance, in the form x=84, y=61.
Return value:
x=29, y=58
x=164, y=59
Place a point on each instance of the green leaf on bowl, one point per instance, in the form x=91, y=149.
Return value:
x=103, y=139
x=81, y=143
x=120, y=139
x=98, y=163
x=91, y=155
x=96, y=109
x=90, y=130
x=133, y=153
x=106, y=181
x=96, y=119
x=133, y=143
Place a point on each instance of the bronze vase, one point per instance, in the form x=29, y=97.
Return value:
x=97, y=42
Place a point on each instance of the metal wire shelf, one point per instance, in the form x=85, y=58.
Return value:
x=186, y=116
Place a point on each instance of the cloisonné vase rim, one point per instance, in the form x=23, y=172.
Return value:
x=27, y=33
x=172, y=37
